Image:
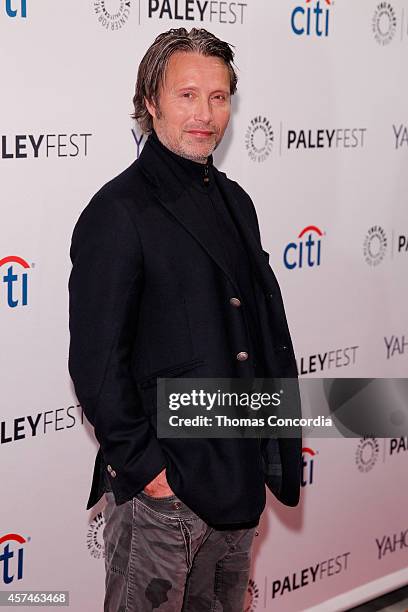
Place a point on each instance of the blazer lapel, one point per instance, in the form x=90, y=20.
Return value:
x=260, y=264
x=179, y=202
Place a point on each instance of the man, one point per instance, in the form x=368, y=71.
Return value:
x=169, y=279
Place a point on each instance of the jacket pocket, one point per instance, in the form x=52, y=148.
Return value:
x=176, y=370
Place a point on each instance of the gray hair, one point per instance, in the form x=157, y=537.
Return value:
x=153, y=66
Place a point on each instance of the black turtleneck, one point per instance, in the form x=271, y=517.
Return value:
x=200, y=180
x=198, y=175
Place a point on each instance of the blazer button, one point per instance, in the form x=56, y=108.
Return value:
x=235, y=302
x=242, y=356
x=111, y=471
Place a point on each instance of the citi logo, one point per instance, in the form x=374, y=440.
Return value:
x=16, y=8
x=306, y=252
x=11, y=556
x=308, y=455
x=14, y=282
x=311, y=20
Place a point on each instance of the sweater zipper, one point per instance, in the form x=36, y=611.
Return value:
x=206, y=177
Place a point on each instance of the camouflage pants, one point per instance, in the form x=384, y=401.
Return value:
x=159, y=555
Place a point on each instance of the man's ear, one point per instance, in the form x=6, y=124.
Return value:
x=150, y=107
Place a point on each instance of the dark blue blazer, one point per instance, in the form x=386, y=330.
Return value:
x=150, y=296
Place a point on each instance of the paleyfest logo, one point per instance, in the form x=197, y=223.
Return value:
x=112, y=14
x=259, y=139
x=384, y=23
x=43, y=146
x=212, y=11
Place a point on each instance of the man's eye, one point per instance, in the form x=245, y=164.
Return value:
x=187, y=94
x=220, y=97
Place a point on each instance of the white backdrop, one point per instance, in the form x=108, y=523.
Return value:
x=319, y=138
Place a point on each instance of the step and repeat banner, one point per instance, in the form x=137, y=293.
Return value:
x=319, y=139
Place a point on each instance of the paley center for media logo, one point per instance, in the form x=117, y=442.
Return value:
x=94, y=539
x=367, y=453
x=16, y=8
x=114, y=14
x=312, y=18
x=384, y=23
x=14, y=273
x=389, y=25
x=375, y=246
x=259, y=138
x=251, y=596
x=305, y=252
x=12, y=546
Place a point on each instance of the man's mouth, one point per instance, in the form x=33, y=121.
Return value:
x=201, y=133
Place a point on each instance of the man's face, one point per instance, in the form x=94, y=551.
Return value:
x=194, y=105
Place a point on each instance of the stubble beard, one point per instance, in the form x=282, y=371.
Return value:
x=188, y=151
x=179, y=148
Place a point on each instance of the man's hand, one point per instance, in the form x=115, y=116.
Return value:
x=159, y=487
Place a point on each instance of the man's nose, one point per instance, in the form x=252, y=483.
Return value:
x=203, y=110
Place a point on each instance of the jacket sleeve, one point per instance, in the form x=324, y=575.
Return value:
x=105, y=288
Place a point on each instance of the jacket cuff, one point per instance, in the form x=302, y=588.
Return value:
x=129, y=479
